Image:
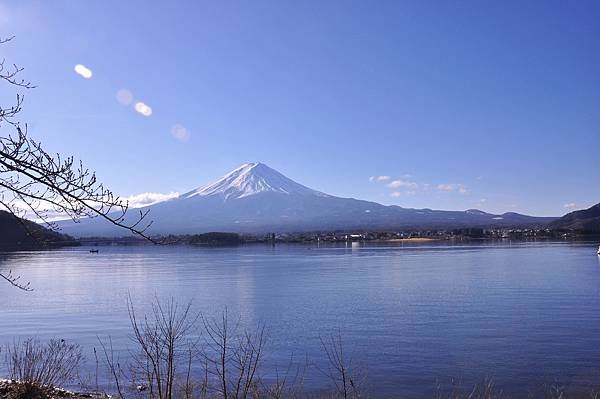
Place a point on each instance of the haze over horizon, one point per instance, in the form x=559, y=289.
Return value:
x=445, y=106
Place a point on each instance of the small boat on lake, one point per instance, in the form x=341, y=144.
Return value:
x=93, y=251
x=598, y=249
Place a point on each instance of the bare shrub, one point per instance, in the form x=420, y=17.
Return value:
x=45, y=365
x=486, y=389
x=168, y=358
x=346, y=378
x=193, y=387
x=287, y=385
x=164, y=345
x=234, y=357
x=113, y=365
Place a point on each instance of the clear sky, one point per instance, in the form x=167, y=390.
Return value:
x=461, y=104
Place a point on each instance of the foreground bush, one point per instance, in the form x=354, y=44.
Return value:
x=44, y=365
x=179, y=354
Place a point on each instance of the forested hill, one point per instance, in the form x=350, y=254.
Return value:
x=21, y=233
x=586, y=220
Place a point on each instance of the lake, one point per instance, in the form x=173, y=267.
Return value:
x=411, y=316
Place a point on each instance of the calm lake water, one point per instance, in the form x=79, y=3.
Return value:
x=523, y=313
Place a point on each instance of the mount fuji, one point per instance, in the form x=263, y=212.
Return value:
x=255, y=198
x=253, y=179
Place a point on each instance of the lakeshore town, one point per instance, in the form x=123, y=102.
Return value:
x=462, y=234
x=419, y=235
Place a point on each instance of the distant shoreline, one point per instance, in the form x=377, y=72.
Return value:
x=218, y=239
x=412, y=239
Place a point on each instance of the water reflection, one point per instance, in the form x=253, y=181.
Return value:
x=411, y=313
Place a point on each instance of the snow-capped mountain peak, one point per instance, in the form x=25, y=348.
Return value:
x=251, y=179
x=257, y=199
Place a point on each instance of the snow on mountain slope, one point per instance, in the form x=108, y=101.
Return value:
x=250, y=179
x=255, y=198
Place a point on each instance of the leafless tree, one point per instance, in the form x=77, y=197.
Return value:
x=194, y=386
x=172, y=360
x=287, y=385
x=165, y=343
x=113, y=365
x=164, y=356
x=34, y=182
x=234, y=357
x=340, y=370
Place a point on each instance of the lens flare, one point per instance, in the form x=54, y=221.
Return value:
x=124, y=97
x=180, y=132
x=143, y=109
x=83, y=71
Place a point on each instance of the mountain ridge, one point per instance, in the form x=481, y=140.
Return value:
x=255, y=198
x=584, y=220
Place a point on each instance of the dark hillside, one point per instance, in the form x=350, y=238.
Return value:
x=21, y=233
x=585, y=221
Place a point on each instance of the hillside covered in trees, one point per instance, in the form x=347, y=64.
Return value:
x=585, y=221
x=20, y=233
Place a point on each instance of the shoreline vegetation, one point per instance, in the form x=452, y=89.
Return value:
x=178, y=353
x=219, y=239
x=16, y=233
x=342, y=237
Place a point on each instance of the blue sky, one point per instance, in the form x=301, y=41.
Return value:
x=489, y=105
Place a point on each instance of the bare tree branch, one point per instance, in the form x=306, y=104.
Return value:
x=35, y=183
x=340, y=370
